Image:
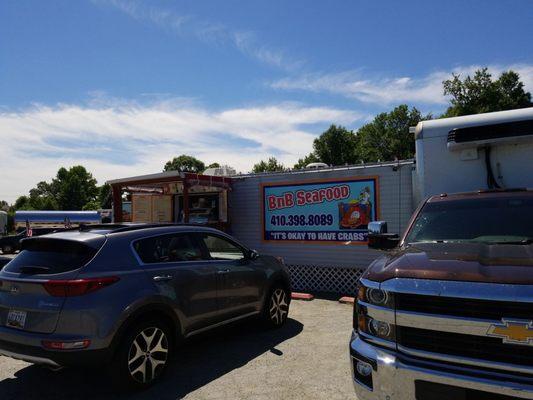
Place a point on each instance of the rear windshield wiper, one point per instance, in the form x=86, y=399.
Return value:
x=34, y=269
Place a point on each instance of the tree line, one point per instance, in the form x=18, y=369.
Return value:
x=385, y=138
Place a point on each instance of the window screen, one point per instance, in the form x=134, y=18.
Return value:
x=221, y=249
x=167, y=248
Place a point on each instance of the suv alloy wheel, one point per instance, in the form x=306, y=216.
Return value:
x=276, y=307
x=143, y=355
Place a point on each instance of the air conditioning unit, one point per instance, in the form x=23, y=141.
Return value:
x=316, y=165
x=483, y=135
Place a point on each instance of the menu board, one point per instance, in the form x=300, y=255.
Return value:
x=151, y=208
x=141, y=208
x=161, y=208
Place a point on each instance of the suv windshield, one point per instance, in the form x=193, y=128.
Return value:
x=494, y=220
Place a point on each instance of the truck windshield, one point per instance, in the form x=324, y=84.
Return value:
x=494, y=220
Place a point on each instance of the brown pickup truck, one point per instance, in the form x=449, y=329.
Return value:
x=447, y=313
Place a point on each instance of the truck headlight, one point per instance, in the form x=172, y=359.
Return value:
x=367, y=297
x=381, y=329
x=375, y=296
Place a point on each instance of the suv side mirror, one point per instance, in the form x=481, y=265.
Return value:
x=379, y=239
x=253, y=255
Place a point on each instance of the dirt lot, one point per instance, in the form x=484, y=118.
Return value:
x=307, y=359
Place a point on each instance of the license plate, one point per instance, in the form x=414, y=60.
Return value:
x=16, y=319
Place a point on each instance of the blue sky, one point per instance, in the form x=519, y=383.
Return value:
x=121, y=86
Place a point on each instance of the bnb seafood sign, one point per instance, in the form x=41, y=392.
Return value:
x=320, y=211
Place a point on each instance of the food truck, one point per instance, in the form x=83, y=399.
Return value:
x=172, y=197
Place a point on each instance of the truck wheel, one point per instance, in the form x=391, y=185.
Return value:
x=143, y=356
x=276, y=308
x=7, y=249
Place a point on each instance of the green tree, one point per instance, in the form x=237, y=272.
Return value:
x=185, y=163
x=387, y=137
x=22, y=203
x=71, y=189
x=105, y=196
x=480, y=93
x=35, y=202
x=92, y=205
x=308, y=159
x=336, y=146
x=213, y=165
x=43, y=203
x=75, y=188
x=45, y=189
x=271, y=165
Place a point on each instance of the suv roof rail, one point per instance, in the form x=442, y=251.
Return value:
x=124, y=227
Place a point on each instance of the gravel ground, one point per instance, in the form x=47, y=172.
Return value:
x=306, y=359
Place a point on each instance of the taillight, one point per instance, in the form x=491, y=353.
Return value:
x=77, y=287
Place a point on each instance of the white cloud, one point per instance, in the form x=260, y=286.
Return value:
x=206, y=31
x=117, y=138
x=389, y=90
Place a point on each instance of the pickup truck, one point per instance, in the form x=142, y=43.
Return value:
x=447, y=312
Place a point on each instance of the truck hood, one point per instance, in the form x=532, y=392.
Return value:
x=474, y=262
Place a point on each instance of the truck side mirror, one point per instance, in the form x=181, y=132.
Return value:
x=379, y=239
x=377, y=227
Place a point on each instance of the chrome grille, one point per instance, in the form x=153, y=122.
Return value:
x=464, y=336
x=484, y=348
x=461, y=307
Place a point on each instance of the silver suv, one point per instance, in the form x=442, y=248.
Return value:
x=124, y=296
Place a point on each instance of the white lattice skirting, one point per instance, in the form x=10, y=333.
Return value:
x=315, y=278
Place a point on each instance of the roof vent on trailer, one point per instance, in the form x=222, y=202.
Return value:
x=479, y=136
x=317, y=165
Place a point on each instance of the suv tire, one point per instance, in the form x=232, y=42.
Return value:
x=143, y=355
x=276, y=308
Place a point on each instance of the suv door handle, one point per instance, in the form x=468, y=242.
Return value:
x=223, y=271
x=163, y=278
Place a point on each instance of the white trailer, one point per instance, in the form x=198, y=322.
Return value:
x=483, y=151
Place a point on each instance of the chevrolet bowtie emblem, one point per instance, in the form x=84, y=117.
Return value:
x=513, y=331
